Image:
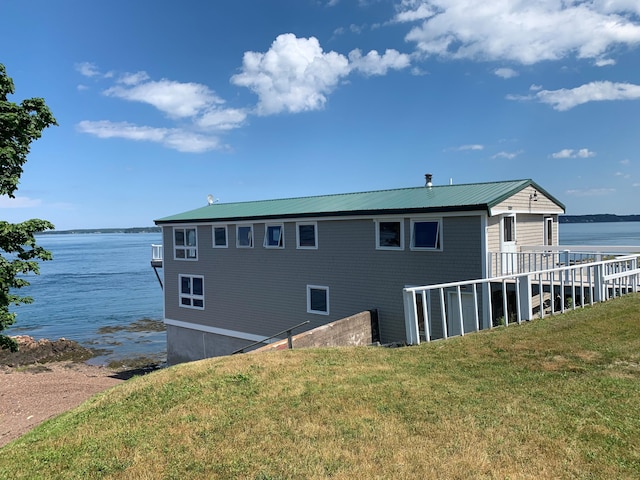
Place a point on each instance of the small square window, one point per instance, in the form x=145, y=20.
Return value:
x=425, y=235
x=185, y=242
x=244, y=237
x=307, y=235
x=274, y=236
x=191, y=291
x=389, y=235
x=318, y=300
x=220, y=237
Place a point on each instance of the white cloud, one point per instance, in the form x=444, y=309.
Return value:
x=626, y=161
x=570, y=153
x=505, y=73
x=565, y=99
x=175, y=138
x=176, y=99
x=469, y=147
x=375, y=64
x=134, y=78
x=592, y=192
x=523, y=32
x=535, y=88
x=222, y=119
x=87, y=69
x=413, y=10
x=507, y=155
x=294, y=75
x=19, y=202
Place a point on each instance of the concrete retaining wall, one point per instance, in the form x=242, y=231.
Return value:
x=357, y=330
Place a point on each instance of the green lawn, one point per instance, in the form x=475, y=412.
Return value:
x=553, y=398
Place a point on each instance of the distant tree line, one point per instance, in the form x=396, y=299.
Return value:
x=105, y=230
x=598, y=218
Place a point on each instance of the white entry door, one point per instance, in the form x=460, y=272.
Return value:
x=508, y=248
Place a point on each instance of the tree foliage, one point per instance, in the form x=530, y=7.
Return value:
x=20, y=124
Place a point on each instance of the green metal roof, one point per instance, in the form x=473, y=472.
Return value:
x=438, y=198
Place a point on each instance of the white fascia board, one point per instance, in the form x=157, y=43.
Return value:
x=220, y=331
x=493, y=212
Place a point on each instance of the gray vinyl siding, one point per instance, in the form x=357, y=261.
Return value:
x=263, y=291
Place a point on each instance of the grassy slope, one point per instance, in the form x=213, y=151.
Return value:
x=555, y=398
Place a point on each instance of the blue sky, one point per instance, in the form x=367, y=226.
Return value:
x=162, y=103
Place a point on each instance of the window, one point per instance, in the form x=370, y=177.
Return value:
x=548, y=230
x=244, y=237
x=307, y=235
x=389, y=235
x=220, y=237
x=317, y=300
x=274, y=236
x=185, y=243
x=509, y=226
x=192, y=291
x=426, y=234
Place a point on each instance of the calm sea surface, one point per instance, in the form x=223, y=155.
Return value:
x=616, y=233
x=99, y=286
x=94, y=291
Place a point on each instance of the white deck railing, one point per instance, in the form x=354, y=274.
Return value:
x=544, y=257
x=156, y=253
x=457, y=308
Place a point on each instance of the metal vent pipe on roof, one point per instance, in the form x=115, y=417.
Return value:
x=428, y=178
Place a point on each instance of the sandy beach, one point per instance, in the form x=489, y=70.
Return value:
x=32, y=394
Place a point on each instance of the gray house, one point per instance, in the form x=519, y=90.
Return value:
x=235, y=273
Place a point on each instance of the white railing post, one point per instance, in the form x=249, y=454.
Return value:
x=525, y=300
x=598, y=283
x=411, y=318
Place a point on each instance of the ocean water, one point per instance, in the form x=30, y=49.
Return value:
x=99, y=286
x=96, y=290
x=606, y=233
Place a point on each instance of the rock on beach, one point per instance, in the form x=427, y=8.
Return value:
x=32, y=351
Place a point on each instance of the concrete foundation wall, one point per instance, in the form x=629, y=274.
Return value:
x=187, y=345
x=358, y=330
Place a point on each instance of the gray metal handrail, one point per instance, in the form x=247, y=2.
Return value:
x=287, y=331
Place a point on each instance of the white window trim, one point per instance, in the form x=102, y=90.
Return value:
x=191, y=296
x=548, y=230
x=238, y=238
x=226, y=236
x=265, y=243
x=315, y=232
x=514, y=233
x=426, y=219
x=184, y=247
x=317, y=287
x=389, y=220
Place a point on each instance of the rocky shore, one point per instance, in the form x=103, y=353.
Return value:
x=47, y=377
x=32, y=351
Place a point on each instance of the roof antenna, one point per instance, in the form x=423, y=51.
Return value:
x=211, y=200
x=428, y=178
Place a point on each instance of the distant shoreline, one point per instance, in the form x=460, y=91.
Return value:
x=103, y=230
x=594, y=218
x=598, y=218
